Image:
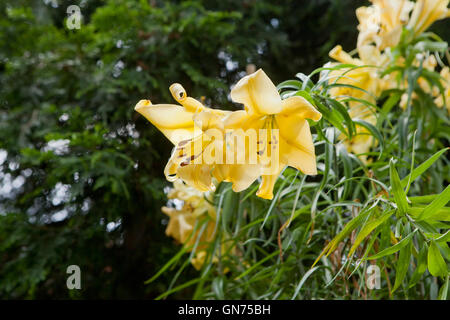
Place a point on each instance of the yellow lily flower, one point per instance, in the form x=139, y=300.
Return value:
x=195, y=206
x=184, y=127
x=365, y=77
x=182, y=220
x=382, y=22
x=426, y=12
x=264, y=109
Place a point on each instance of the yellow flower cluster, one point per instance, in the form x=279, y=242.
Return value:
x=380, y=28
x=189, y=211
x=192, y=208
x=240, y=146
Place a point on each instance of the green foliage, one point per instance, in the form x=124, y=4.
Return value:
x=82, y=179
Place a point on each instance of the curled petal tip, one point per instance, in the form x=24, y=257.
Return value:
x=178, y=92
x=142, y=104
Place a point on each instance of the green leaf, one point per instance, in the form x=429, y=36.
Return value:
x=397, y=189
x=387, y=106
x=436, y=263
x=331, y=115
x=423, y=167
x=443, y=214
x=444, y=238
x=302, y=281
x=349, y=227
x=348, y=169
x=394, y=248
x=289, y=84
x=368, y=228
x=402, y=266
x=344, y=113
x=444, y=290
x=421, y=265
x=374, y=131
x=434, y=206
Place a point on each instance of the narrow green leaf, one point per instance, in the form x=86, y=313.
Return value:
x=289, y=84
x=243, y=274
x=328, y=114
x=167, y=265
x=444, y=238
x=402, y=266
x=436, y=263
x=443, y=214
x=302, y=281
x=397, y=189
x=180, y=287
x=422, y=167
x=387, y=106
x=374, y=131
x=434, y=206
x=422, y=199
x=349, y=227
x=368, y=228
x=344, y=113
x=421, y=265
x=393, y=249
x=444, y=290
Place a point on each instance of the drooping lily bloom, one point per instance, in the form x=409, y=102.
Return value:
x=426, y=12
x=193, y=208
x=285, y=129
x=184, y=126
x=364, y=77
x=382, y=22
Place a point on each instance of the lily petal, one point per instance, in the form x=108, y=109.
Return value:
x=258, y=94
x=240, y=175
x=338, y=54
x=172, y=120
x=197, y=176
x=301, y=107
x=265, y=190
x=296, y=144
x=180, y=95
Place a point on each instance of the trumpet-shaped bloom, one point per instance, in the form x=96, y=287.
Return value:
x=184, y=127
x=286, y=131
x=261, y=140
x=426, y=12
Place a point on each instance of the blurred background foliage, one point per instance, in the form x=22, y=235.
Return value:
x=81, y=173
